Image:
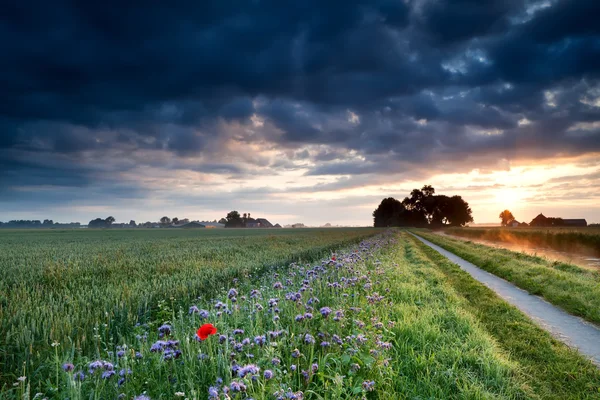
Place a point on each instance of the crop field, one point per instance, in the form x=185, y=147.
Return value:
x=241, y=314
x=585, y=240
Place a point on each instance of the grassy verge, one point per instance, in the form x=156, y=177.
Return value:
x=584, y=240
x=552, y=370
x=575, y=289
x=378, y=321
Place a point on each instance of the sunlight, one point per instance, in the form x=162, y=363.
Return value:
x=509, y=198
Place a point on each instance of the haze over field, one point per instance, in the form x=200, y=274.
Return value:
x=299, y=112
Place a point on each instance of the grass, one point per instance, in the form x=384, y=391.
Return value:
x=581, y=240
x=552, y=370
x=574, y=289
x=68, y=286
x=395, y=329
x=383, y=319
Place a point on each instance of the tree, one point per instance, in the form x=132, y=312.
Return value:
x=234, y=220
x=223, y=221
x=132, y=224
x=97, y=223
x=165, y=221
x=175, y=220
x=457, y=211
x=506, y=218
x=423, y=208
x=109, y=221
x=388, y=213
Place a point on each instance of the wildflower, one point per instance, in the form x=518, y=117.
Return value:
x=260, y=340
x=325, y=344
x=299, y=318
x=325, y=311
x=369, y=386
x=246, y=341
x=308, y=315
x=205, y=330
x=68, y=367
x=296, y=353
x=237, y=386
x=232, y=293
x=213, y=393
x=254, y=293
x=293, y=367
x=138, y=355
x=248, y=369
x=179, y=394
x=141, y=397
x=120, y=353
x=238, y=331
x=275, y=361
x=354, y=367
x=268, y=374
x=259, y=307
x=305, y=375
x=309, y=339
x=276, y=318
x=314, y=368
x=277, y=285
x=165, y=329
x=108, y=374
x=22, y=378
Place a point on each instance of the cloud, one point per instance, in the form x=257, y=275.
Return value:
x=252, y=93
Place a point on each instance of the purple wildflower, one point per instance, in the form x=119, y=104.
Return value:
x=120, y=353
x=309, y=339
x=325, y=311
x=268, y=374
x=308, y=315
x=275, y=361
x=142, y=397
x=296, y=353
x=213, y=393
x=108, y=374
x=277, y=285
x=314, y=368
x=68, y=367
x=165, y=329
x=369, y=386
x=260, y=340
x=79, y=376
x=232, y=293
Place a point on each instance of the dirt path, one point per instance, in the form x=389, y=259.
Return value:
x=571, y=330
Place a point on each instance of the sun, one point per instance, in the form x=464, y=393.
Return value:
x=509, y=198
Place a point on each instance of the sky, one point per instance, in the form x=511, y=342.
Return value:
x=306, y=111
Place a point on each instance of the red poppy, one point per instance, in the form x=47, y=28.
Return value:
x=205, y=330
x=332, y=258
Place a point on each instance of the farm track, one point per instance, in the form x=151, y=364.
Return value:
x=569, y=329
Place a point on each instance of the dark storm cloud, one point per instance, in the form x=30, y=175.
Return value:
x=393, y=81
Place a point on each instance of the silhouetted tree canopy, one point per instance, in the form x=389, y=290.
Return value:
x=506, y=218
x=234, y=220
x=423, y=208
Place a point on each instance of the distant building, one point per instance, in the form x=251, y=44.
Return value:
x=213, y=225
x=515, y=223
x=277, y=226
x=189, y=225
x=252, y=223
x=575, y=222
x=264, y=223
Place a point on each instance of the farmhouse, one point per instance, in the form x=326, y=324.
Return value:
x=189, y=225
x=575, y=222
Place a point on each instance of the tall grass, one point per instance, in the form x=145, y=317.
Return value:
x=373, y=321
x=578, y=240
x=74, y=286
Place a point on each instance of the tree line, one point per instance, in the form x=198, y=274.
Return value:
x=423, y=208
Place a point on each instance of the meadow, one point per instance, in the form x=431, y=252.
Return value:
x=585, y=240
x=69, y=286
x=575, y=289
x=314, y=314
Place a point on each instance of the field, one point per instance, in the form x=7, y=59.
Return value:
x=575, y=289
x=308, y=314
x=580, y=240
